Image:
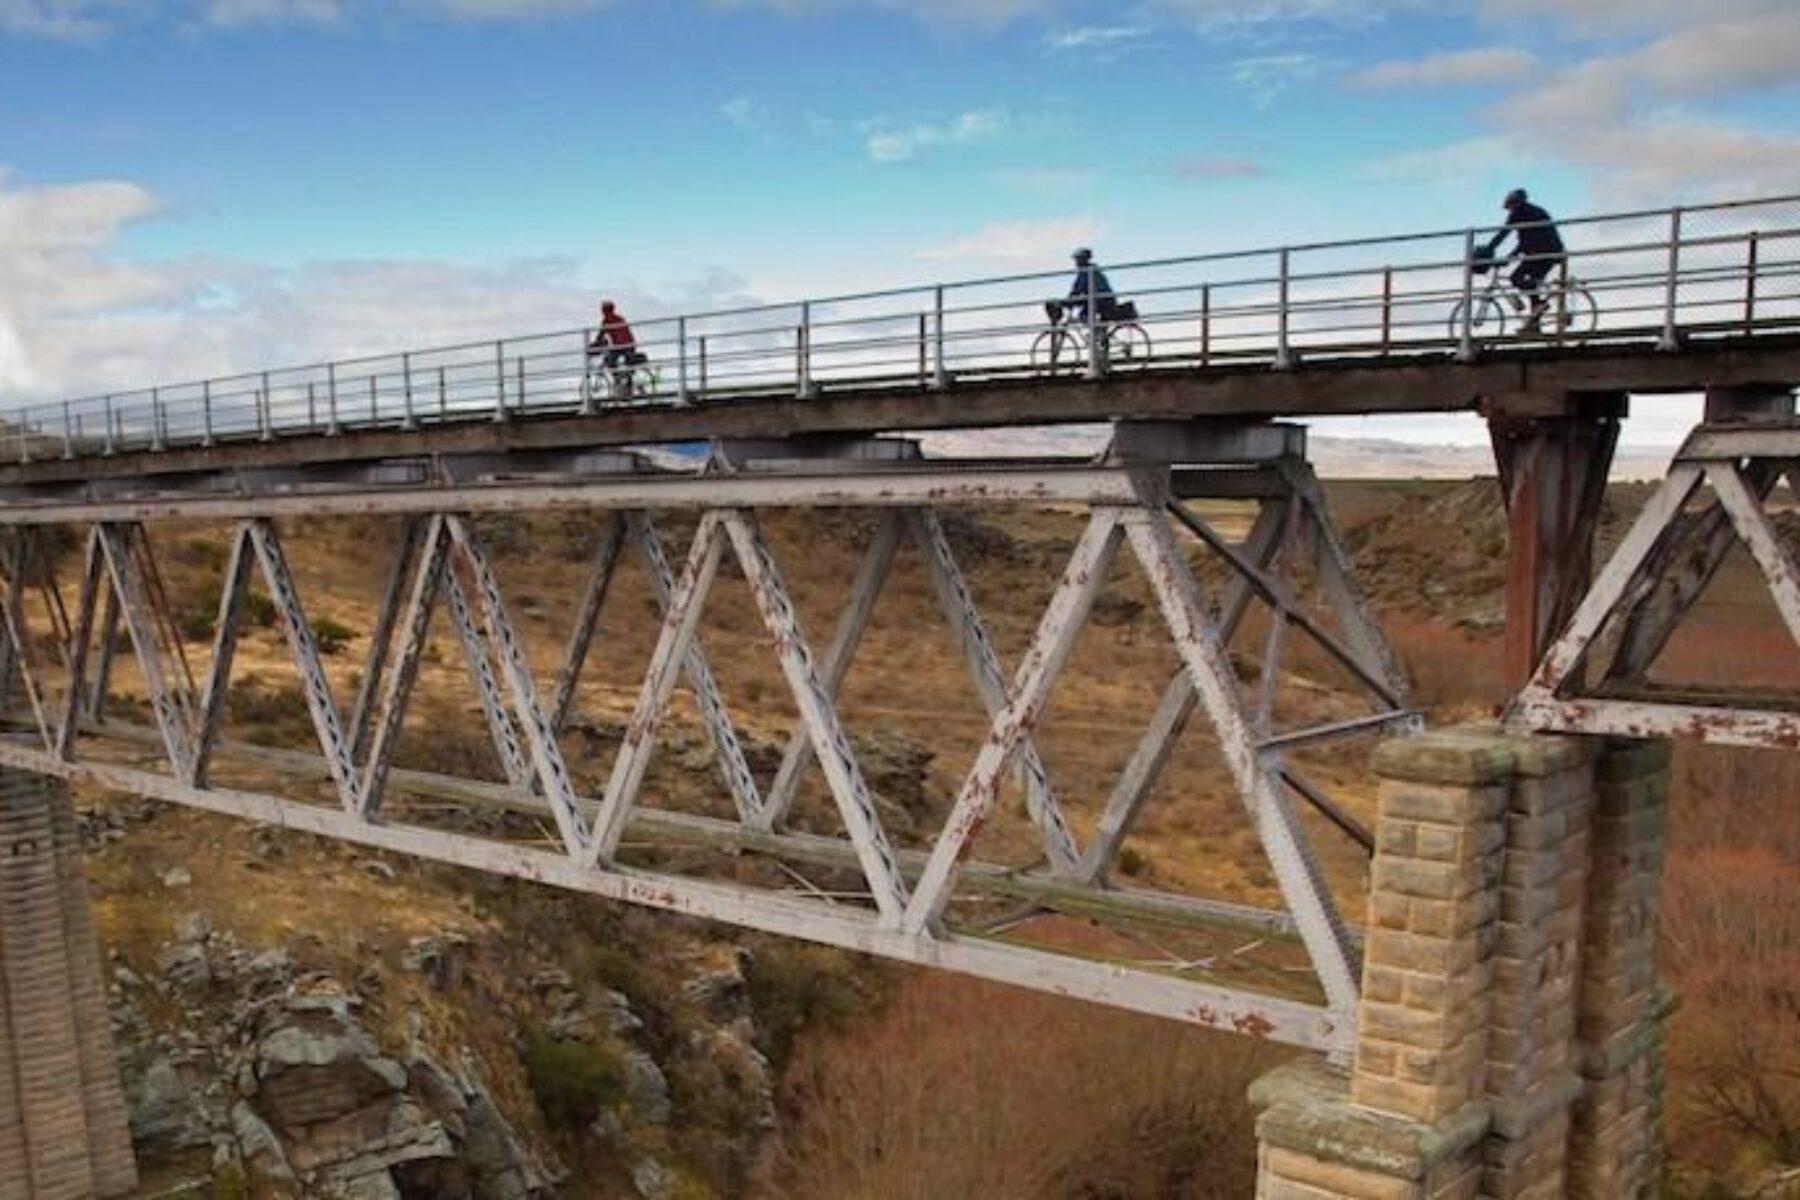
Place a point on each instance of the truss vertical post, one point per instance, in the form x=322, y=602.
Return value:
x=726, y=748
x=958, y=606
x=880, y=868
x=14, y=569
x=1068, y=610
x=593, y=600
x=871, y=574
x=1290, y=855
x=1553, y=478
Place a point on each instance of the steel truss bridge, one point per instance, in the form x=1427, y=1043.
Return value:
x=798, y=406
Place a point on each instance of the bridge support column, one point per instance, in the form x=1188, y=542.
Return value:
x=1616, y=1147
x=1509, y=1031
x=1553, y=472
x=63, y=1130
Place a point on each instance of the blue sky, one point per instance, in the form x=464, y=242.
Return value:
x=202, y=185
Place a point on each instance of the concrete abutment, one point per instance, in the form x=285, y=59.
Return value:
x=1510, y=1031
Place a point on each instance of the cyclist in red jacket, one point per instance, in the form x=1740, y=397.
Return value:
x=616, y=346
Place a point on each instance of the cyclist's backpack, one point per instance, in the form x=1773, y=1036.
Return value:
x=1126, y=310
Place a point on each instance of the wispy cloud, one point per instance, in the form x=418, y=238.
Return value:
x=1455, y=160
x=1020, y=241
x=1211, y=169
x=1096, y=37
x=887, y=143
x=746, y=112
x=1044, y=180
x=1487, y=65
x=1265, y=77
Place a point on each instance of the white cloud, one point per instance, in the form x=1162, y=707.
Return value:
x=77, y=319
x=1612, y=18
x=1463, y=68
x=1042, y=242
x=887, y=143
x=72, y=19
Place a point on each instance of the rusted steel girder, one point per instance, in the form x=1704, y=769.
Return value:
x=1553, y=473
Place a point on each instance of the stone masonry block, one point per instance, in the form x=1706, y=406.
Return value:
x=1446, y=756
x=1439, y=804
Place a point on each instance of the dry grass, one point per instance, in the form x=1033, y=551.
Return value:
x=963, y=1088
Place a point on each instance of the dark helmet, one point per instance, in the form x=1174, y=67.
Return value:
x=1083, y=255
x=607, y=306
x=1516, y=196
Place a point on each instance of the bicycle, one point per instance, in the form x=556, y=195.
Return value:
x=1123, y=342
x=1569, y=312
x=621, y=383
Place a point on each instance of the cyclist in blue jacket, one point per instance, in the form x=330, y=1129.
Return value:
x=1539, y=250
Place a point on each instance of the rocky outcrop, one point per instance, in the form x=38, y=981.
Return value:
x=278, y=1075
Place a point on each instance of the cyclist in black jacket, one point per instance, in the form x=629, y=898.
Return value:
x=1539, y=249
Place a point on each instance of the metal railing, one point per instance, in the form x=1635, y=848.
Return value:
x=1659, y=277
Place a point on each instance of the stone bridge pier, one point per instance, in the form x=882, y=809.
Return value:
x=1509, y=1043
x=63, y=1132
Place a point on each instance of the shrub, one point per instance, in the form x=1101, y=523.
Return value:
x=331, y=635
x=574, y=1082
x=798, y=987
x=260, y=610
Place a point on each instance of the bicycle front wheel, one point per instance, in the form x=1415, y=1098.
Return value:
x=1127, y=347
x=1488, y=321
x=1053, y=352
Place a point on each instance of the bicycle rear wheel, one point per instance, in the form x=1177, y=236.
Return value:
x=1572, y=314
x=1127, y=347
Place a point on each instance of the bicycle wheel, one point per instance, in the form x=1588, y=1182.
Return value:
x=1571, y=314
x=1489, y=320
x=1055, y=351
x=1127, y=347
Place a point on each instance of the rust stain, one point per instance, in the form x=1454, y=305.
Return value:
x=1254, y=1025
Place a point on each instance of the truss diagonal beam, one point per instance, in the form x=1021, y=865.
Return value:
x=680, y=620
x=1566, y=655
x=1337, y=574
x=958, y=605
x=415, y=630
x=857, y=807
x=546, y=756
x=24, y=656
x=173, y=716
x=1277, y=596
x=726, y=747
x=109, y=644
x=481, y=670
x=81, y=636
x=1068, y=610
x=1677, y=573
x=393, y=599
x=1752, y=525
x=213, y=697
x=1262, y=546
x=587, y=618
x=865, y=590
x=1290, y=854
x=304, y=647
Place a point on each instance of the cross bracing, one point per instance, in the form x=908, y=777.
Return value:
x=920, y=901
x=1603, y=672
